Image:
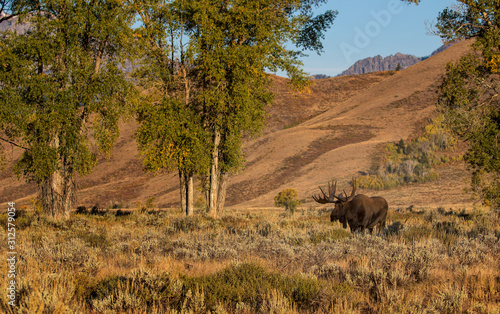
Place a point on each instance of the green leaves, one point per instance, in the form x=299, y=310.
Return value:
x=204, y=74
x=170, y=136
x=60, y=82
x=469, y=92
x=312, y=33
x=287, y=198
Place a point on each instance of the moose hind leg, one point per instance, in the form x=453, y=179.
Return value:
x=381, y=227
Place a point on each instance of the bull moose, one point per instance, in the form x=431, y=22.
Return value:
x=359, y=211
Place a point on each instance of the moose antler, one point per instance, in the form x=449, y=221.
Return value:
x=332, y=187
x=353, y=192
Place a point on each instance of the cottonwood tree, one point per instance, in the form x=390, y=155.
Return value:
x=233, y=44
x=171, y=133
x=216, y=78
x=469, y=91
x=61, y=86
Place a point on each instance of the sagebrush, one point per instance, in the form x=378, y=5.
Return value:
x=256, y=261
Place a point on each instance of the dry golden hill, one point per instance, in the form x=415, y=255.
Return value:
x=343, y=140
x=335, y=131
x=290, y=108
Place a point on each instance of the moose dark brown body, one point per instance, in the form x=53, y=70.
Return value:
x=362, y=213
x=359, y=211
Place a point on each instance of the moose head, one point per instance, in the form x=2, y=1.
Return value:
x=340, y=201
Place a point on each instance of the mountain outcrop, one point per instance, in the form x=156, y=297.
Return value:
x=379, y=63
x=389, y=63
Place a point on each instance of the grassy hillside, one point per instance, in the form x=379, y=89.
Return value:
x=346, y=138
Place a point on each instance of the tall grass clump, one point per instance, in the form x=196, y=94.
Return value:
x=414, y=161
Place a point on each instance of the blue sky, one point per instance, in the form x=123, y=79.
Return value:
x=366, y=28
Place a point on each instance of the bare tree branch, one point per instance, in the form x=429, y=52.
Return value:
x=12, y=143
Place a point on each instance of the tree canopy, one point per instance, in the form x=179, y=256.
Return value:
x=469, y=91
x=61, y=82
x=220, y=67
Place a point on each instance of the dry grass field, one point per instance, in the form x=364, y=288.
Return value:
x=254, y=261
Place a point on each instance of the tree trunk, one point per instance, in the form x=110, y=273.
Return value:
x=58, y=190
x=221, y=192
x=187, y=193
x=57, y=193
x=182, y=189
x=190, y=195
x=214, y=177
